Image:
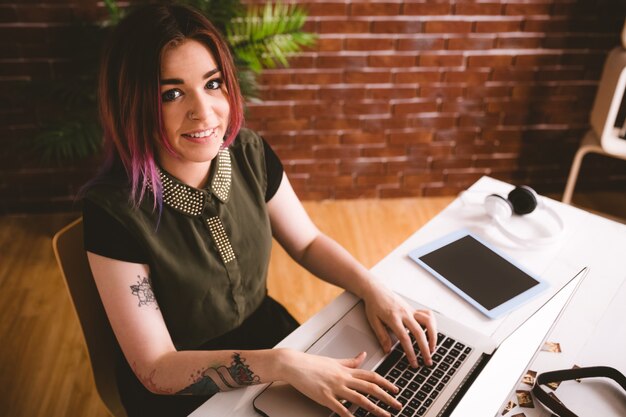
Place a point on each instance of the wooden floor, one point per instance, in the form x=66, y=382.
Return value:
x=44, y=368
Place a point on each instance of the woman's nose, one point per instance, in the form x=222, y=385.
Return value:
x=201, y=109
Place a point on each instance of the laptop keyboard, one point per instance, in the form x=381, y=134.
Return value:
x=419, y=387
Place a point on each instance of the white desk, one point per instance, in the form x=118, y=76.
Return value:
x=588, y=240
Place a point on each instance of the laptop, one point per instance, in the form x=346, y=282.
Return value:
x=464, y=360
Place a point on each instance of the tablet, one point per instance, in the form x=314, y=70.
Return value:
x=479, y=273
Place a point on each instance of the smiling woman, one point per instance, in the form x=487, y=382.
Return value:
x=179, y=226
x=195, y=112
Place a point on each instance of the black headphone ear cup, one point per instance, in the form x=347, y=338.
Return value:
x=523, y=199
x=498, y=207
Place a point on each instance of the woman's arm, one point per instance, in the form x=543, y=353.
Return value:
x=146, y=343
x=328, y=260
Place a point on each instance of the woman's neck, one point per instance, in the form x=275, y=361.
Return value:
x=194, y=174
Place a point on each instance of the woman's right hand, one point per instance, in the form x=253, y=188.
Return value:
x=330, y=382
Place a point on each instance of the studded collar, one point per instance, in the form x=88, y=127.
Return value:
x=191, y=201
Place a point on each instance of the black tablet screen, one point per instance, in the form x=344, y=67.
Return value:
x=479, y=272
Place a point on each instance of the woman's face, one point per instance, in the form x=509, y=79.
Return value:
x=195, y=108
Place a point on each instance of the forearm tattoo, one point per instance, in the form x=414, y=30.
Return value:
x=143, y=290
x=215, y=379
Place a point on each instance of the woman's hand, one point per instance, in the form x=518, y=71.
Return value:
x=330, y=382
x=386, y=310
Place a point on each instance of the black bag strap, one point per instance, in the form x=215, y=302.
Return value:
x=559, y=408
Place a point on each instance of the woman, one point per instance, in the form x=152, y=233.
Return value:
x=179, y=225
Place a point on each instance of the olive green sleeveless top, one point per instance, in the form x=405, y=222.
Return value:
x=209, y=249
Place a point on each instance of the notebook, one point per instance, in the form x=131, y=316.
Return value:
x=464, y=360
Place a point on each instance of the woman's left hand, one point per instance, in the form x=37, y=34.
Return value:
x=386, y=310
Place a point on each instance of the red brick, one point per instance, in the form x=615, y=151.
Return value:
x=391, y=61
x=498, y=26
x=335, y=152
x=383, y=151
x=375, y=9
x=367, y=76
x=471, y=43
x=488, y=91
x=341, y=93
x=513, y=74
x=367, y=107
x=410, y=137
x=465, y=176
x=519, y=42
x=462, y=106
x=336, y=122
x=399, y=192
x=342, y=181
x=391, y=92
x=417, y=76
x=290, y=124
x=33, y=69
x=286, y=94
x=467, y=76
x=447, y=26
x=478, y=9
x=534, y=60
x=315, y=167
x=316, y=108
x=342, y=61
x=498, y=161
x=441, y=91
x=527, y=9
x=355, y=193
x=369, y=44
x=501, y=134
x=429, y=43
x=490, y=60
x=302, y=61
x=397, y=26
x=375, y=180
x=440, y=60
x=278, y=77
x=362, y=166
x=455, y=136
x=329, y=44
x=268, y=110
x=479, y=120
x=414, y=107
x=344, y=26
x=448, y=163
x=409, y=165
x=325, y=8
x=437, y=121
x=419, y=179
x=362, y=138
x=426, y=9
x=316, y=138
x=317, y=77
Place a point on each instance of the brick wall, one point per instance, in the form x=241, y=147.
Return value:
x=398, y=98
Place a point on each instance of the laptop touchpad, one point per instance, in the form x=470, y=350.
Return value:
x=349, y=342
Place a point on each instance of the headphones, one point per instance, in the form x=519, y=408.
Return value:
x=522, y=200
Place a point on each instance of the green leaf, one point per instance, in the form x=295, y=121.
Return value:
x=265, y=37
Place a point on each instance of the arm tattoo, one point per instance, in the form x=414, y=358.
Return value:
x=215, y=379
x=143, y=290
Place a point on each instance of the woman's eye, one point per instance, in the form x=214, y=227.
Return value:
x=214, y=84
x=171, y=95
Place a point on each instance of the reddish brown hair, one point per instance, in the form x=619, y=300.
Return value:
x=129, y=90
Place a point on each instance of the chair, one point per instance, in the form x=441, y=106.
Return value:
x=589, y=144
x=99, y=337
x=606, y=134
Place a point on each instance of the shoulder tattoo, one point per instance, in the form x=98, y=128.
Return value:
x=143, y=291
x=221, y=378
